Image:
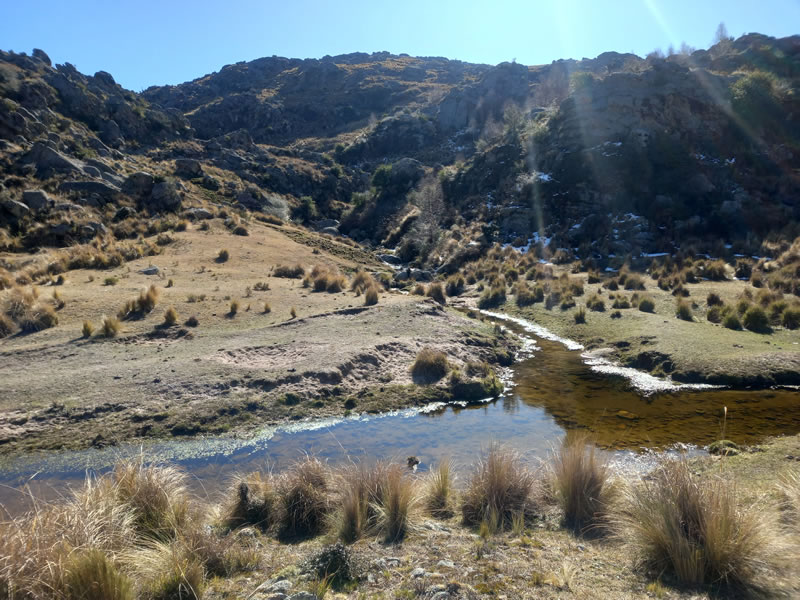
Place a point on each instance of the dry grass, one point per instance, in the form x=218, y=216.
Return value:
x=170, y=316
x=436, y=291
x=91, y=575
x=253, y=502
x=303, y=499
x=371, y=296
x=439, y=490
x=168, y=571
x=499, y=488
x=697, y=532
x=295, y=272
x=395, y=507
x=111, y=326
x=430, y=365
x=582, y=485
x=6, y=326
x=87, y=329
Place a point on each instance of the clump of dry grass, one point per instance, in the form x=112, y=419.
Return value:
x=324, y=279
x=371, y=296
x=395, y=507
x=88, y=329
x=156, y=495
x=362, y=281
x=223, y=256
x=419, y=290
x=294, y=272
x=293, y=312
x=499, y=488
x=439, y=490
x=170, y=316
x=234, y=308
x=91, y=575
x=267, y=308
x=168, y=571
x=111, y=326
x=430, y=365
x=253, y=502
x=303, y=499
x=581, y=483
x=6, y=326
x=697, y=532
x=436, y=291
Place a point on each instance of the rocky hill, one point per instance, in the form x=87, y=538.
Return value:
x=612, y=156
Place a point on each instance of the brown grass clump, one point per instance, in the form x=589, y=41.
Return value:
x=455, y=285
x=295, y=272
x=395, y=507
x=6, y=326
x=683, y=311
x=439, y=490
x=371, y=296
x=38, y=317
x=169, y=571
x=91, y=575
x=111, y=326
x=293, y=313
x=362, y=281
x=323, y=279
x=697, y=532
x=267, y=308
x=499, y=489
x=253, y=502
x=88, y=329
x=147, y=300
x=223, y=256
x=647, y=304
x=170, y=316
x=234, y=308
x=303, y=500
x=419, y=290
x=430, y=365
x=581, y=484
x=436, y=291
x=156, y=496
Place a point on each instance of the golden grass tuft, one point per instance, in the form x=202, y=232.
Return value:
x=111, y=326
x=170, y=316
x=234, y=308
x=88, y=329
x=582, y=485
x=436, y=291
x=499, y=488
x=168, y=571
x=430, y=365
x=371, y=296
x=252, y=502
x=439, y=490
x=697, y=532
x=303, y=499
x=6, y=326
x=91, y=575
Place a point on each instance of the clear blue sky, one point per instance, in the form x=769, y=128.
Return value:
x=150, y=42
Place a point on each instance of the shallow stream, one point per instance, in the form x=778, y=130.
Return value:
x=551, y=389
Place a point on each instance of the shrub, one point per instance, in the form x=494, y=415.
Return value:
x=695, y=531
x=647, y=304
x=295, y=272
x=192, y=321
x=111, y=326
x=170, y=317
x=439, y=489
x=110, y=281
x=716, y=271
x=88, y=329
x=616, y=315
x=371, y=296
x=755, y=319
x=492, y=297
x=634, y=282
x=525, y=296
x=683, y=311
x=731, y=321
x=581, y=483
x=91, y=575
x=302, y=494
x=332, y=565
x=436, y=291
x=790, y=318
x=430, y=365
x=240, y=230
x=234, y=308
x=223, y=256
x=499, y=488
x=455, y=285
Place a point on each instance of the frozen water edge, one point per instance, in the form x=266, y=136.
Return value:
x=640, y=380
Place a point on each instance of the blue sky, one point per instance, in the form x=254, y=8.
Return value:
x=151, y=42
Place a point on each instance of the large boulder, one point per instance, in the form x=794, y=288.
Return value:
x=163, y=197
x=139, y=184
x=103, y=189
x=49, y=160
x=35, y=199
x=14, y=208
x=188, y=167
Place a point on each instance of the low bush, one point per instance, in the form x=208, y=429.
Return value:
x=455, y=285
x=731, y=321
x=791, y=318
x=492, y=297
x=499, y=489
x=192, y=321
x=430, y=365
x=223, y=256
x=110, y=281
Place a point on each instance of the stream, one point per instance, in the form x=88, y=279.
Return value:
x=552, y=388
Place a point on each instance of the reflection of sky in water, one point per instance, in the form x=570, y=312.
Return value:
x=552, y=390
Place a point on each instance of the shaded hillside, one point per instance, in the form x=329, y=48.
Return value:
x=612, y=155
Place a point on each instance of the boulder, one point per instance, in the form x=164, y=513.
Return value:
x=330, y=231
x=325, y=224
x=199, y=214
x=138, y=184
x=35, y=199
x=124, y=213
x=210, y=183
x=92, y=171
x=49, y=160
x=164, y=196
x=188, y=167
x=101, y=188
x=17, y=209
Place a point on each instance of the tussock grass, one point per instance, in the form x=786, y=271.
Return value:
x=419, y=290
x=234, y=308
x=6, y=326
x=436, y=291
x=492, y=297
x=91, y=575
x=581, y=482
x=500, y=487
x=455, y=285
x=647, y=304
x=697, y=532
x=168, y=571
x=156, y=495
x=223, y=256
x=111, y=326
x=323, y=279
x=170, y=316
x=362, y=281
x=303, y=499
x=395, y=507
x=683, y=311
x=371, y=296
x=430, y=365
x=88, y=329
x=293, y=272
x=439, y=490
x=253, y=502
